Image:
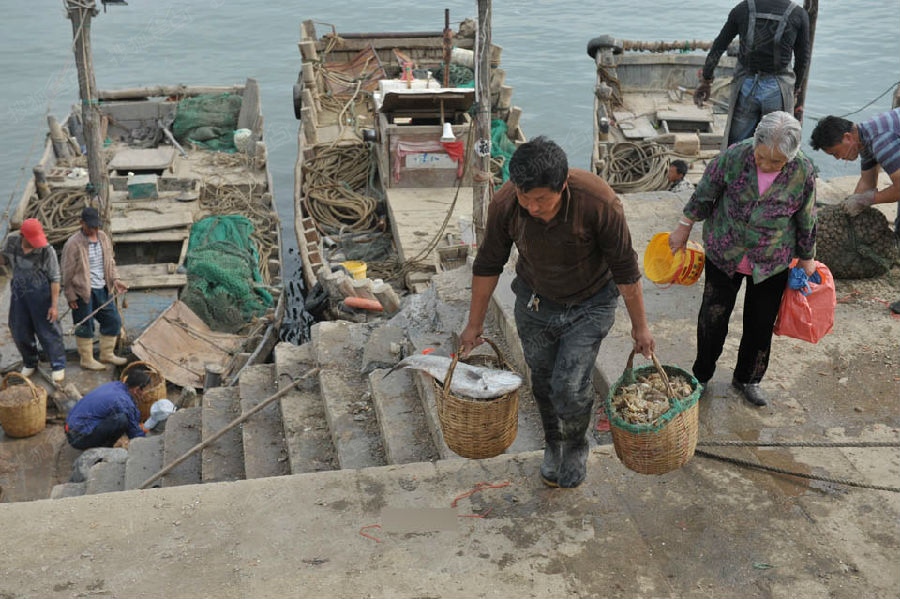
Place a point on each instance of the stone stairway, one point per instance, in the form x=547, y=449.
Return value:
x=354, y=414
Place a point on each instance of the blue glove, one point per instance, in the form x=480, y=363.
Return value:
x=798, y=280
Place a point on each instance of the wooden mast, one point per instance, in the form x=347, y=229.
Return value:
x=812, y=9
x=483, y=179
x=81, y=12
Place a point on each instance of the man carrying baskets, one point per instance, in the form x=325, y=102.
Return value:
x=575, y=259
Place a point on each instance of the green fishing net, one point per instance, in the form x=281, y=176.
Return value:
x=225, y=288
x=208, y=121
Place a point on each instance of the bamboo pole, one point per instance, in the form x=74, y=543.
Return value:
x=176, y=462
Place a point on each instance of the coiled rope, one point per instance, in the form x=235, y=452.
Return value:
x=637, y=166
x=330, y=184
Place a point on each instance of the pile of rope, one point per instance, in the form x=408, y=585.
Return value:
x=332, y=181
x=637, y=166
x=59, y=213
x=253, y=203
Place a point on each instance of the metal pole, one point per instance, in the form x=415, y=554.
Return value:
x=81, y=12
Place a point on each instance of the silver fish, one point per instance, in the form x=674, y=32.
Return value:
x=477, y=382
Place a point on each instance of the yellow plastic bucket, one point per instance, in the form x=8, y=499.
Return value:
x=356, y=269
x=661, y=267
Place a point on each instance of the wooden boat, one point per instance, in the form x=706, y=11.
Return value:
x=384, y=171
x=644, y=114
x=159, y=190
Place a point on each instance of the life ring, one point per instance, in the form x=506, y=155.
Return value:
x=298, y=100
x=604, y=41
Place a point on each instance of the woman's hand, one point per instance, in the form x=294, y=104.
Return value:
x=808, y=266
x=678, y=238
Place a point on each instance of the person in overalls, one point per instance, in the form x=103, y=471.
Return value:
x=34, y=296
x=770, y=32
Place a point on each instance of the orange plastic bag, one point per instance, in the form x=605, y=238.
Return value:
x=808, y=317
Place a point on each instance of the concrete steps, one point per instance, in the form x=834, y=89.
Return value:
x=352, y=414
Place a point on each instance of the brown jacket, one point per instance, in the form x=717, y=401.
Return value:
x=76, y=268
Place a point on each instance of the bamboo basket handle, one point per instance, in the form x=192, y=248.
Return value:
x=150, y=367
x=31, y=386
x=628, y=374
x=455, y=360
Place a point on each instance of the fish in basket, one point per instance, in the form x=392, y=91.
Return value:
x=653, y=413
x=477, y=404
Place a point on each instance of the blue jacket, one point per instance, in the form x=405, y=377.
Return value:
x=102, y=402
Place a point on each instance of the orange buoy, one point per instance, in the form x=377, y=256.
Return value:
x=363, y=303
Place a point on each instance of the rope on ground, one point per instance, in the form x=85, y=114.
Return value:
x=757, y=466
x=798, y=444
x=332, y=180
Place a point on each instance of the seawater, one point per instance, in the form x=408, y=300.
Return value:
x=856, y=58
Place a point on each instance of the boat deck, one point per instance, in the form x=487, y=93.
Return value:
x=416, y=215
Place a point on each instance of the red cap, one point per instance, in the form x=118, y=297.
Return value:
x=33, y=233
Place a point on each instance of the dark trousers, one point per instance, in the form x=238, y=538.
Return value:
x=560, y=344
x=105, y=434
x=28, y=306
x=761, y=303
x=108, y=316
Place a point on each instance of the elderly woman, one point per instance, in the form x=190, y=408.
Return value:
x=757, y=201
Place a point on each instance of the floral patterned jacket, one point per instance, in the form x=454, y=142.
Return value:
x=771, y=228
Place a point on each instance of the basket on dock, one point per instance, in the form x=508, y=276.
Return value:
x=669, y=442
x=477, y=428
x=23, y=407
x=154, y=391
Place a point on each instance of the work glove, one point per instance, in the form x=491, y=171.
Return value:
x=857, y=202
x=701, y=94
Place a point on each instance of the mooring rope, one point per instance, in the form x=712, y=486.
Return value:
x=757, y=466
x=798, y=444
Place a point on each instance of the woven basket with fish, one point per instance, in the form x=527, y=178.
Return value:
x=477, y=428
x=654, y=416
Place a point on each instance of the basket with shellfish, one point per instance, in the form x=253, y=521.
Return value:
x=653, y=415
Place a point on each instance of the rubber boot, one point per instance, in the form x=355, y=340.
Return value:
x=58, y=376
x=27, y=371
x=553, y=444
x=86, y=353
x=574, y=451
x=107, y=348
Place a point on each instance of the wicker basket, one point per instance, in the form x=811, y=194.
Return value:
x=477, y=428
x=21, y=417
x=156, y=390
x=662, y=447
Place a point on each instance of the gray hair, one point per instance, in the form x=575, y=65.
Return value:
x=779, y=130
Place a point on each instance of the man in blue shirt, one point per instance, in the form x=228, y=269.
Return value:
x=877, y=144
x=108, y=412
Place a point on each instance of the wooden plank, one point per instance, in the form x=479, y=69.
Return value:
x=142, y=159
x=156, y=281
x=153, y=236
x=414, y=213
x=143, y=276
x=181, y=346
x=150, y=222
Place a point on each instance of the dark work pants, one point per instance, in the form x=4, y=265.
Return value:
x=28, y=306
x=560, y=344
x=761, y=303
x=108, y=316
x=105, y=434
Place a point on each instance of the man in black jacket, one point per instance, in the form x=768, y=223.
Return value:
x=770, y=31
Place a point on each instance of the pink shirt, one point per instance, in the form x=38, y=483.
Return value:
x=765, y=181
